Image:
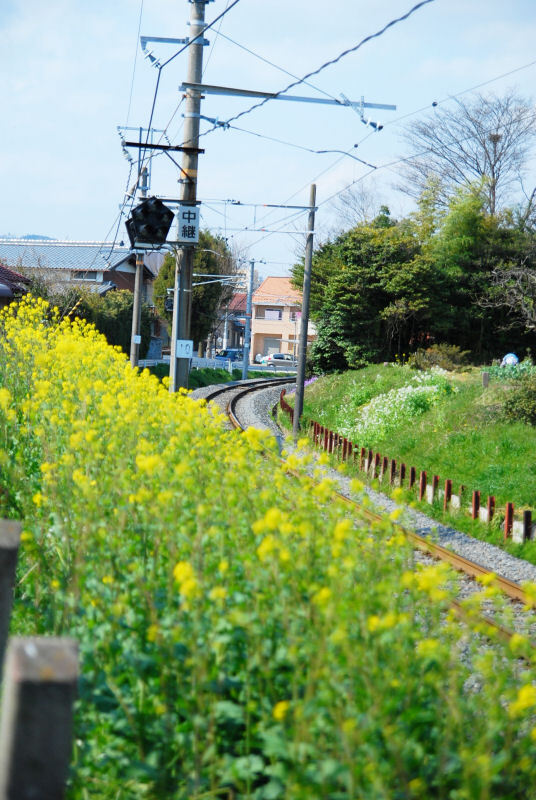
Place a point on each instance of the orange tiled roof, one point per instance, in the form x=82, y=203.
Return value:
x=277, y=292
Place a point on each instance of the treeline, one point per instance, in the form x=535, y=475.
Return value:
x=460, y=270
x=440, y=275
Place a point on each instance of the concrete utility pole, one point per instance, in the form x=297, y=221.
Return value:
x=302, y=349
x=182, y=308
x=135, y=338
x=247, y=332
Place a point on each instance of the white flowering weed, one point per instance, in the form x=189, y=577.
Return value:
x=389, y=410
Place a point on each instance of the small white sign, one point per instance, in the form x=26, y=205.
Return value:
x=184, y=349
x=137, y=338
x=188, y=224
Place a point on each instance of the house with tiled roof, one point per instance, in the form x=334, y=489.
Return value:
x=276, y=318
x=100, y=266
x=12, y=284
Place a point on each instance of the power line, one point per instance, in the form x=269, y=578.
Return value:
x=276, y=66
x=405, y=116
x=205, y=28
x=218, y=33
x=297, y=146
x=391, y=164
x=459, y=94
x=135, y=62
x=153, y=105
x=178, y=53
x=326, y=64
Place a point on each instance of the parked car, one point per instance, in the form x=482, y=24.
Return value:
x=230, y=354
x=285, y=359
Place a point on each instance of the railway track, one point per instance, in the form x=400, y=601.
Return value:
x=471, y=570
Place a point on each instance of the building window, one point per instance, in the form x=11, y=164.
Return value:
x=85, y=275
x=273, y=313
x=268, y=313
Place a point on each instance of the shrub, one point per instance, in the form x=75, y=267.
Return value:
x=520, y=403
x=446, y=356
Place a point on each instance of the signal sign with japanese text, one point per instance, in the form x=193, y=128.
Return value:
x=188, y=224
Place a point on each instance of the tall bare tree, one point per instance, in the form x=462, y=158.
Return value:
x=484, y=139
x=357, y=204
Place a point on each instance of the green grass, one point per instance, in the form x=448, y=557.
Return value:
x=463, y=437
x=206, y=377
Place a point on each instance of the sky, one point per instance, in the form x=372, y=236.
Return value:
x=73, y=71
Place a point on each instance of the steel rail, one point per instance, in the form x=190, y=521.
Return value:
x=250, y=386
x=470, y=568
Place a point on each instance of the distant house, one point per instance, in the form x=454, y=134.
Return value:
x=276, y=318
x=235, y=319
x=98, y=266
x=11, y=285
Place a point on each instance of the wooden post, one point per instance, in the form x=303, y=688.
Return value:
x=402, y=473
x=527, y=524
x=9, y=549
x=392, y=472
x=508, y=520
x=362, y=459
x=448, y=494
x=490, y=506
x=385, y=464
x=326, y=437
x=475, y=505
x=422, y=484
x=412, y=477
x=485, y=379
x=36, y=722
x=377, y=459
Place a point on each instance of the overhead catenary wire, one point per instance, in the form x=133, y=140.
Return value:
x=276, y=66
x=143, y=157
x=326, y=64
x=298, y=146
x=394, y=122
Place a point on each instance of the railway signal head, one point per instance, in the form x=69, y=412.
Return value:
x=149, y=223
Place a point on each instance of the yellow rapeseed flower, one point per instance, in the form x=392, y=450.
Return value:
x=428, y=648
x=266, y=547
x=525, y=701
x=183, y=571
x=280, y=710
x=322, y=597
x=218, y=593
x=152, y=633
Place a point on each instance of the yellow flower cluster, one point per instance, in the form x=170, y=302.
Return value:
x=140, y=506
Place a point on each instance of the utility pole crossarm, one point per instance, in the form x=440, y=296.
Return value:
x=178, y=147
x=205, y=88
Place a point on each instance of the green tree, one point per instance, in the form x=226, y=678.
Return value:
x=369, y=292
x=212, y=256
x=438, y=276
